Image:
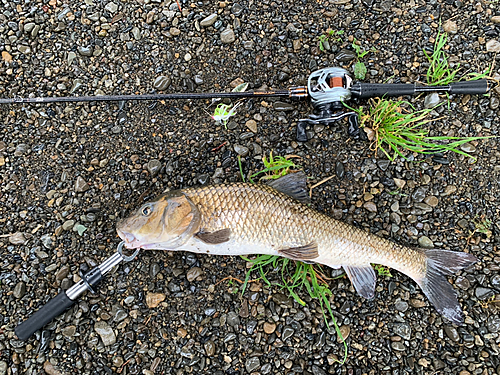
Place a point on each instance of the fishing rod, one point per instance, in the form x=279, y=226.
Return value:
x=67, y=298
x=326, y=88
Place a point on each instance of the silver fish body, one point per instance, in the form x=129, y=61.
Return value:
x=240, y=219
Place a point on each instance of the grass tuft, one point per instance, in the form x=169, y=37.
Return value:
x=394, y=130
x=295, y=276
x=439, y=71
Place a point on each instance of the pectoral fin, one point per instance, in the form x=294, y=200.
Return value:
x=363, y=278
x=214, y=238
x=302, y=253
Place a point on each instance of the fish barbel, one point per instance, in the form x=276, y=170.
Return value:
x=242, y=218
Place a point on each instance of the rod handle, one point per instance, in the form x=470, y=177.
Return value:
x=479, y=86
x=373, y=90
x=49, y=311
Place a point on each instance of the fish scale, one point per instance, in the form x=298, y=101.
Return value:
x=243, y=219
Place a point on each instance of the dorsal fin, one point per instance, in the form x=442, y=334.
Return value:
x=293, y=184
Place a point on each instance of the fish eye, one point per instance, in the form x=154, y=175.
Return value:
x=146, y=211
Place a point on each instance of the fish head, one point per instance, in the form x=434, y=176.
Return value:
x=164, y=223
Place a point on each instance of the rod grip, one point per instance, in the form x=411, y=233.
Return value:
x=49, y=311
x=479, y=86
x=373, y=90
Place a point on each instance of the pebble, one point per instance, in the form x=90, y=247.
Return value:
x=425, y=242
x=448, y=190
x=19, y=290
x=269, y=327
x=71, y=57
x=154, y=167
x=193, y=273
x=84, y=51
x=398, y=346
x=105, y=332
x=452, y=333
x=345, y=55
x=450, y=27
x=467, y=147
x=403, y=330
x=209, y=348
x=484, y=293
x=18, y=238
x=252, y=125
x=227, y=36
x=370, y=206
x=236, y=9
x=399, y=183
x=161, y=83
x=340, y=171
x=494, y=102
x=6, y=56
x=431, y=200
x=154, y=299
x=287, y=333
x=208, y=21
x=233, y=319
x=401, y=305
x=493, y=324
x=282, y=106
x=111, y=7
x=69, y=331
x=68, y=224
x=493, y=46
x=50, y=369
x=252, y=364
x=81, y=185
x=431, y=100
x=3, y=368
x=345, y=332
x=495, y=19
x=241, y=150
x=62, y=273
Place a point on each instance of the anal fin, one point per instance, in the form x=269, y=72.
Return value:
x=363, y=278
x=214, y=238
x=302, y=253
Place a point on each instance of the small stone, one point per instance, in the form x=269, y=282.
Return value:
x=431, y=100
x=448, y=190
x=345, y=332
x=493, y=46
x=494, y=102
x=252, y=364
x=403, y=330
x=3, y=367
x=181, y=332
x=154, y=167
x=81, y=185
x=71, y=57
x=227, y=36
x=431, y=200
x=282, y=106
x=154, y=299
x=287, y=333
x=233, y=319
x=193, y=273
x=111, y=7
x=450, y=27
x=484, y=293
x=400, y=183
x=6, y=56
x=452, y=333
x=104, y=330
x=401, y=305
x=495, y=19
x=269, y=327
x=252, y=125
x=237, y=9
x=50, y=369
x=174, y=31
x=398, y=346
x=62, y=273
x=208, y=21
x=467, y=147
x=69, y=331
x=209, y=348
x=339, y=169
x=19, y=290
x=425, y=242
x=241, y=150
x=18, y=238
x=84, y=51
x=417, y=303
x=161, y=83
x=187, y=57
x=345, y=55
x=493, y=324
x=68, y=224
x=370, y=206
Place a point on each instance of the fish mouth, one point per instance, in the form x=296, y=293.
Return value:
x=131, y=242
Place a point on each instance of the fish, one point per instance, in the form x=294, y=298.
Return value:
x=275, y=218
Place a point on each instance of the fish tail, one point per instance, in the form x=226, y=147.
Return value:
x=435, y=285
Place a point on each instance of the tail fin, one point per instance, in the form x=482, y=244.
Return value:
x=435, y=285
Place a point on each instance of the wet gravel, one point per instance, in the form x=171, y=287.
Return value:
x=70, y=171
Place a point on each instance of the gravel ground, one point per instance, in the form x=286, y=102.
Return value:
x=69, y=172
